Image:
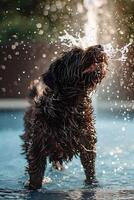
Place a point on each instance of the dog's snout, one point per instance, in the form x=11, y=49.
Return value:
x=100, y=47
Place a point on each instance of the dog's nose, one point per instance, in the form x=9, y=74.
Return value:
x=100, y=47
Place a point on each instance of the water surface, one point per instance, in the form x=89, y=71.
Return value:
x=114, y=165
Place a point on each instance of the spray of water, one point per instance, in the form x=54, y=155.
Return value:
x=115, y=54
x=119, y=54
x=90, y=29
x=90, y=34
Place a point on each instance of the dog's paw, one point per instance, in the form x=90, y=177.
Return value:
x=92, y=181
x=26, y=184
x=30, y=186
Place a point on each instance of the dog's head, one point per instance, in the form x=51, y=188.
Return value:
x=77, y=68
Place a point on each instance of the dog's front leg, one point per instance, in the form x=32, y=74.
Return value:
x=87, y=156
x=36, y=164
x=36, y=172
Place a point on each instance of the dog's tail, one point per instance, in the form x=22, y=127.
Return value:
x=36, y=89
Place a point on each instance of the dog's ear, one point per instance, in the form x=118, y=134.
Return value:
x=49, y=79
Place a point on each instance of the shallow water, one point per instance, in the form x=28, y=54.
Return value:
x=114, y=165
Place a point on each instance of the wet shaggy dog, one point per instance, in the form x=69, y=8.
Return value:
x=59, y=122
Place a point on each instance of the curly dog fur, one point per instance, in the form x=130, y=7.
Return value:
x=59, y=122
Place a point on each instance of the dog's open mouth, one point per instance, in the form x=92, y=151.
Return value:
x=100, y=66
x=96, y=66
x=97, y=70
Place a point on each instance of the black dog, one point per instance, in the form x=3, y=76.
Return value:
x=59, y=122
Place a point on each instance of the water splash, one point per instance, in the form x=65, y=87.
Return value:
x=91, y=32
x=90, y=27
x=117, y=54
x=114, y=53
x=70, y=41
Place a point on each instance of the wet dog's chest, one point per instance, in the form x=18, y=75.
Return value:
x=64, y=141
x=69, y=125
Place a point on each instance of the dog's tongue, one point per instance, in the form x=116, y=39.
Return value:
x=104, y=71
x=92, y=68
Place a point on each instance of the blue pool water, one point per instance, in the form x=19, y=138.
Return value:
x=114, y=164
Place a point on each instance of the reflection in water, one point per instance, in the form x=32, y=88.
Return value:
x=94, y=194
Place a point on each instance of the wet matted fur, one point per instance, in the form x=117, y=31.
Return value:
x=59, y=122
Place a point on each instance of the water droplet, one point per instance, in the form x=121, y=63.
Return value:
x=39, y=25
x=3, y=67
x=41, y=32
x=44, y=55
x=123, y=129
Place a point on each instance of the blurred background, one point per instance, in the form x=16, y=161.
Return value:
x=30, y=34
